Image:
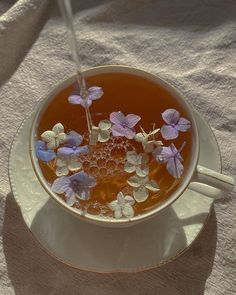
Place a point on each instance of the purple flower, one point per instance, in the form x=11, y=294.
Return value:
x=174, y=124
x=171, y=156
x=42, y=153
x=124, y=125
x=74, y=187
x=72, y=147
x=94, y=93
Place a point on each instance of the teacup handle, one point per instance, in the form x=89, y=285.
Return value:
x=210, y=182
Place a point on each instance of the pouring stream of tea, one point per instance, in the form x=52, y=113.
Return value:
x=66, y=10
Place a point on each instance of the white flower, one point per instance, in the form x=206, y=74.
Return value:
x=136, y=163
x=54, y=137
x=104, y=130
x=148, y=145
x=66, y=164
x=122, y=206
x=100, y=133
x=142, y=186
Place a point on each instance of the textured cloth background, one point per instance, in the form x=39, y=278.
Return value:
x=190, y=43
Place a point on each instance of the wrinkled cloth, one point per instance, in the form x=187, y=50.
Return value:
x=191, y=44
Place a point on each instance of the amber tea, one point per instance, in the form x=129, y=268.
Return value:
x=129, y=160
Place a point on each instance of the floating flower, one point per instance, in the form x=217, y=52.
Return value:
x=174, y=124
x=171, y=156
x=54, y=137
x=122, y=206
x=148, y=145
x=93, y=93
x=42, y=153
x=75, y=187
x=124, y=125
x=100, y=133
x=104, y=130
x=142, y=186
x=136, y=163
x=72, y=147
x=67, y=164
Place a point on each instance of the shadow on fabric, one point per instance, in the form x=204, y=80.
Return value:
x=190, y=15
x=19, y=28
x=33, y=271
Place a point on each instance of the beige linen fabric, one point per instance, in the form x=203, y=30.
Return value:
x=192, y=44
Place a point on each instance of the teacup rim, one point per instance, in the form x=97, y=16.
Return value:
x=116, y=69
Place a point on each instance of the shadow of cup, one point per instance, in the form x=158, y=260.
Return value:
x=32, y=270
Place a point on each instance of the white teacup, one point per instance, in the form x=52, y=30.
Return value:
x=198, y=178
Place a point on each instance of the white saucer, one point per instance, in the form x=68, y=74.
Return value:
x=94, y=248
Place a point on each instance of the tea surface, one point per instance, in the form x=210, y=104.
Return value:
x=131, y=95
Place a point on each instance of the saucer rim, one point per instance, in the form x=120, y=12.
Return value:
x=134, y=270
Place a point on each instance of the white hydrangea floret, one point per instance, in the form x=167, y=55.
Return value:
x=122, y=206
x=54, y=137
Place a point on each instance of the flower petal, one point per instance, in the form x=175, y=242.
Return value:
x=69, y=193
x=62, y=171
x=144, y=159
x=61, y=137
x=157, y=151
x=120, y=198
x=118, y=130
x=134, y=181
x=104, y=125
x=65, y=152
x=117, y=118
x=152, y=186
x=129, y=133
x=183, y=125
x=39, y=144
x=140, y=137
x=168, y=132
x=131, y=120
x=141, y=194
x=118, y=213
x=48, y=136
x=129, y=167
x=60, y=185
x=175, y=167
x=85, y=179
x=142, y=172
x=164, y=155
x=61, y=162
x=91, y=182
x=129, y=200
x=128, y=211
x=52, y=144
x=173, y=149
x=75, y=99
x=84, y=195
x=42, y=153
x=86, y=103
x=74, y=165
x=170, y=116
x=58, y=128
x=113, y=205
x=104, y=135
x=150, y=146
x=132, y=157
x=71, y=200
x=95, y=92
x=81, y=150
x=74, y=139
x=46, y=156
